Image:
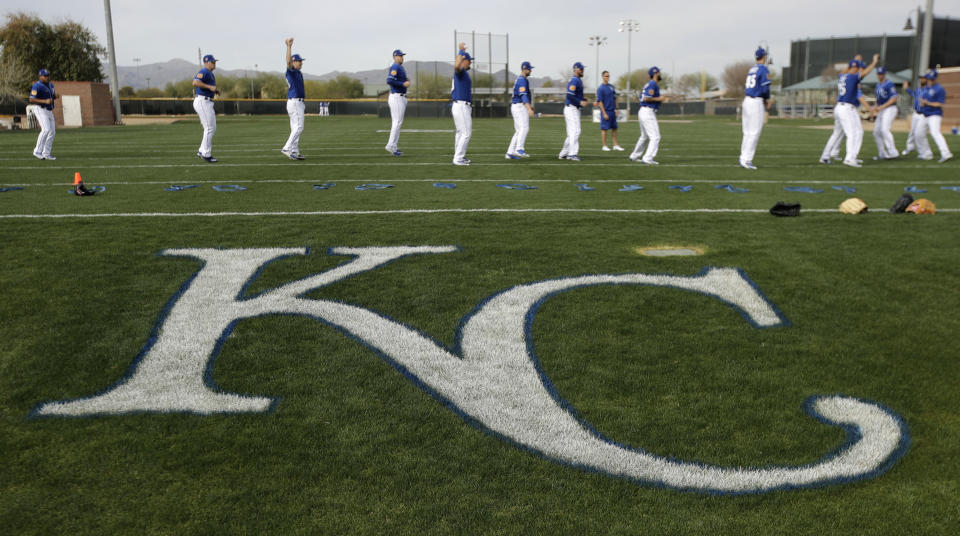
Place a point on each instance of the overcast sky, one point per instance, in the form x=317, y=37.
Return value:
x=679, y=36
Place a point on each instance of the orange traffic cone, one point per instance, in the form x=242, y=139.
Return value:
x=76, y=178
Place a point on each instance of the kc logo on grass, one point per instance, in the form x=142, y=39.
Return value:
x=491, y=378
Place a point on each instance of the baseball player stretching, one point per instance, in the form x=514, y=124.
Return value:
x=42, y=95
x=205, y=87
x=932, y=98
x=650, y=100
x=607, y=101
x=756, y=102
x=845, y=112
x=397, y=80
x=295, y=106
x=917, y=119
x=462, y=107
x=885, y=113
x=522, y=110
x=571, y=114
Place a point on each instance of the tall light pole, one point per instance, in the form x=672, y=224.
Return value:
x=597, y=41
x=114, y=79
x=629, y=26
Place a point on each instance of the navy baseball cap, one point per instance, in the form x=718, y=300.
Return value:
x=398, y=52
x=466, y=55
x=209, y=57
x=295, y=57
x=760, y=53
x=44, y=72
x=881, y=70
x=526, y=65
x=931, y=74
x=653, y=70
x=578, y=65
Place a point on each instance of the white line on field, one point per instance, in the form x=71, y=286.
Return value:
x=413, y=211
x=775, y=182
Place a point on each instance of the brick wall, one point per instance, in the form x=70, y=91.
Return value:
x=96, y=107
x=949, y=78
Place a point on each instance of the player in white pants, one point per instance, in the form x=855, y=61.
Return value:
x=845, y=112
x=885, y=113
x=462, y=106
x=296, y=93
x=398, y=82
x=916, y=119
x=571, y=115
x=932, y=99
x=522, y=110
x=756, y=101
x=42, y=97
x=649, y=143
x=205, y=87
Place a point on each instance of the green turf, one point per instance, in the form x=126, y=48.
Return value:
x=353, y=446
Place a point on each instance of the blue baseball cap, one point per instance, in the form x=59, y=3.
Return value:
x=398, y=52
x=44, y=72
x=208, y=58
x=881, y=70
x=295, y=57
x=760, y=53
x=466, y=55
x=578, y=65
x=526, y=65
x=931, y=74
x=653, y=70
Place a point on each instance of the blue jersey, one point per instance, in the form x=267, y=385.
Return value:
x=652, y=89
x=859, y=96
x=915, y=95
x=396, y=78
x=847, y=88
x=461, y=86
x=575, y=92
x=295, y=89
x=886, y=90
x=758, y=82
x=42, y=91
x=521, y=90
x=934, y=93
x=206, y=76
x=607, y=96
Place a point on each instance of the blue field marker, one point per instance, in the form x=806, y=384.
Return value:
x=10, y=188
x=229, y=188
x=803, y=189
x=914, y=190
x=584, y=188
x=324, y=186
x=731, y=188
x=517, y=186
x=680, y=187
x=848, y=189
x=954, y=188
x=631, y=188
x=373, y=186
x=447, y=185
x=176, y=188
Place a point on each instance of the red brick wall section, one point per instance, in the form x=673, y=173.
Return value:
x=96, y=107
x=949, y=78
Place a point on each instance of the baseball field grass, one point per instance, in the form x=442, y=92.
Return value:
x=357, y=440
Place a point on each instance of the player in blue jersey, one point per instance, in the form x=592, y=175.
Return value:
x=42, y=97
x=845, y=111
x=398, y=82
x=932, y=98
x=884, y=113
x=462, y=105
x=571, y=114
x=916, y=120
x=521, y=109
x=756, y=102
x=295, y=105
x=650, y=100
x=607, y=102
x=205, y=87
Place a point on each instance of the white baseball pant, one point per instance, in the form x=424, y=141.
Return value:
x=915, y=123
x=832, y=148
x=886, y=148
x=753, y=110
x=571, y=145
x=208, y=118
x=48, y=130
x=649, y=135
x=295, y=109
x=398, y=107
x=463, y=121
x=521, y=127
x=852, y=129
x=931, y=124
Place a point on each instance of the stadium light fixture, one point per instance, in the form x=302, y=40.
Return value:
x=629, y=26
x=597, y=41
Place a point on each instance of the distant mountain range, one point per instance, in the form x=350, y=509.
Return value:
x=158, y=75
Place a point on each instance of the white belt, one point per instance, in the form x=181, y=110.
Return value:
x=300, y=100
x=463, y=101
x=204, y=97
